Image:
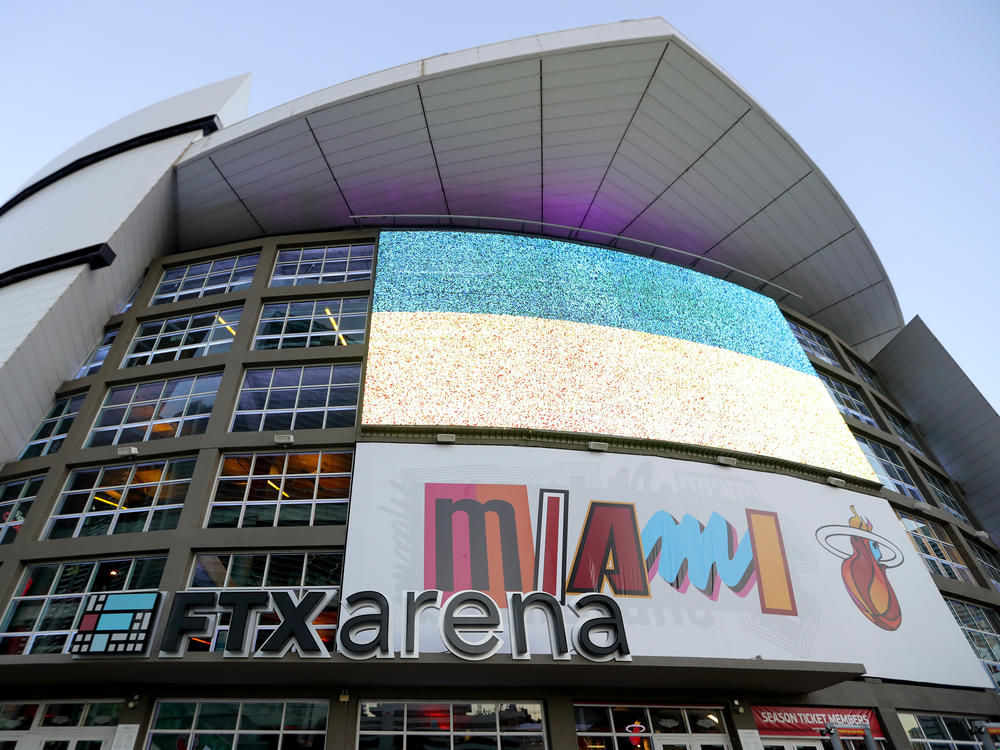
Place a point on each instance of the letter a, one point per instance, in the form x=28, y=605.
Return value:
x=609, y=550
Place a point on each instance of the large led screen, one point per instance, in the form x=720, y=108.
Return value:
x=496, y=330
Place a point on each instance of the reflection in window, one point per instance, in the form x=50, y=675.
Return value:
x=990, y=562
x=615, y=727
x=849, y=402
x=327, y=322
x=239, y=724
x=323, y=265
x=814, y=343
x=944, y=496
x=933, y=732
x=16, y=499
x=184, y=337
x=888, y=467
x=155, y=409
x=904, y=430
x=867, y=374
x=289, y=571
x=93, y=363
x=299, y=398
x=471, y=725
x=204, y=279
x=282, y=489
x=982, y=629
x=122, y=499
x=44, y=609
x=20, y=717
x=54, y=427
x=937, y=550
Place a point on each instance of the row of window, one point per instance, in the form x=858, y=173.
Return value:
x=293, y=267
x=48, y=601
x=251, y=490
x=283, y=325
x=309, y=397
x=462, y=725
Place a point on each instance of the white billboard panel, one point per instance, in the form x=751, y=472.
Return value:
x=702, y=560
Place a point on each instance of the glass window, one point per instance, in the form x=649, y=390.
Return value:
x=990, y=562
x=982, y=629
x=184, y=337
x=300, y=398
x=155, y=409
x=937, y=550
x=289, y=571
x=634, y=726
x=16, y=499
x=849, y=402
x=814, y=343
x=21, y=717
x=243, y=725
x=471, y=725
x=205, y=278
x=933, y=732
x=93, y=363
x=43, y=611
x=944, y=497
x=282, y=489
x=326, y=322
x=323, y=265
x=904, y=430
x=54, y=427
x=888, y=467
x=867, y=374
x=122, y=499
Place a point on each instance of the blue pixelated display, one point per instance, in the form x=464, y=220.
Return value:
x=502, y=274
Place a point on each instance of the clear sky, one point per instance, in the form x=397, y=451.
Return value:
x=897, y=101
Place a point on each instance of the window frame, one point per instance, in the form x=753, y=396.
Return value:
x=92, y=514
x=329, y=409
x=52, y=595
x=240, y=264
x=187, y=416
x=279, y=483
x=131, y=358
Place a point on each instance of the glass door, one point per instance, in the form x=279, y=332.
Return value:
x=671, y=742
x=803, y=744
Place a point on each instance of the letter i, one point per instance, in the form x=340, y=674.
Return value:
x=550, y=542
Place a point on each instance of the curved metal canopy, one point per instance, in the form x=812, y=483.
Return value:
x=622, y=129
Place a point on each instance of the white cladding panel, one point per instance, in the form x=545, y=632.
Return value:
x=87, y=207
x=389, y=549
x=228, y=99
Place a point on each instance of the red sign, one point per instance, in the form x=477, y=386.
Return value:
x=805, y=721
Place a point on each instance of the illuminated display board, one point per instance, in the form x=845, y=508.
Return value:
x=701, y=560
x=497, y=330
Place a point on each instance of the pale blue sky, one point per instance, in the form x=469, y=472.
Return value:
x=897, y=102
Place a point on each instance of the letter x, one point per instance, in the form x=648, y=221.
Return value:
x=294, y=622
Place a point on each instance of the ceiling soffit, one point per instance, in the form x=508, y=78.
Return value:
x=646, y=140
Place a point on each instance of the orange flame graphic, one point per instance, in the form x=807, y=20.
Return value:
x=866, y=580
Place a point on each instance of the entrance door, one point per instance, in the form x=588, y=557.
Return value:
x=698, y=742
x=770, y=744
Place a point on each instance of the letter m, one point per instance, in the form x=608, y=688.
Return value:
x=478, y=536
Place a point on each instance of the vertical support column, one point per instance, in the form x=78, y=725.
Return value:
x=834, y=737
x=342, y=722
x=560, y=723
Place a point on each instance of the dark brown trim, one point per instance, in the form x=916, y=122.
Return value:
x=95, y=256
x=205, y=124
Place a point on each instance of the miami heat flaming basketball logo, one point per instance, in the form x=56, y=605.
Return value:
x=864, y=568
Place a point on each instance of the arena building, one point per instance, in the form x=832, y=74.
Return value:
x=540, y=395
